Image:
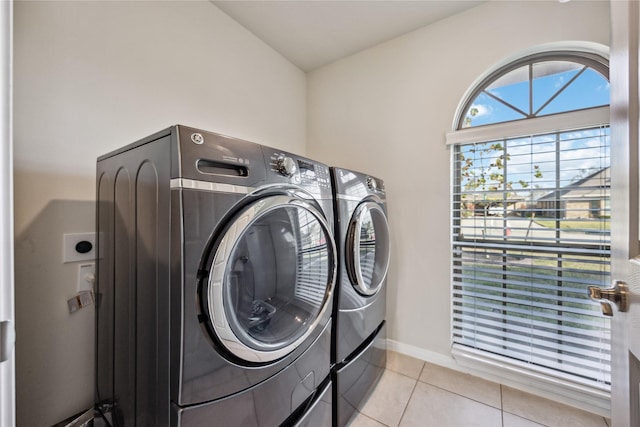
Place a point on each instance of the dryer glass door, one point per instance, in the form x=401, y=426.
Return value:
x=368, y=248
x=271, y=279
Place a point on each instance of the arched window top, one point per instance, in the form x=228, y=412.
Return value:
x=538, y=85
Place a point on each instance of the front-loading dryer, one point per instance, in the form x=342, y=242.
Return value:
x=216, y=269
x=359, y=335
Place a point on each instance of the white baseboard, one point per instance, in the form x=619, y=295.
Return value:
x=422, y=354
x=548, y=388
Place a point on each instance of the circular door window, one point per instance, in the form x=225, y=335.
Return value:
x=271, y=278
x=368, y=248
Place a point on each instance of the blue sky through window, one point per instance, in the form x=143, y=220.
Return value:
x=589, y=89
x=529, y=167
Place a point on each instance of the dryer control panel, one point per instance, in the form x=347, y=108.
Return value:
x=349, y=183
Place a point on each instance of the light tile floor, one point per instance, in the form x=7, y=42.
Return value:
x=414, y=393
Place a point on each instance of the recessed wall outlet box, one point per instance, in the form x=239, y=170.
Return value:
x=79, y=247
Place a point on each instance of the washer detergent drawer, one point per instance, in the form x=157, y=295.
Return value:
x=319, y=413
x=270, y=402
x=354, y=327
x=356, y=380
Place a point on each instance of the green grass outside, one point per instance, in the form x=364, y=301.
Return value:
x=565, y=224
x=539, y=266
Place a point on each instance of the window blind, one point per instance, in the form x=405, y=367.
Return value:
x=313, y=269
x=531, y=221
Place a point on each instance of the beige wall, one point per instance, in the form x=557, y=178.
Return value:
x=385, y=111
x=92, y=76
x=89, y=78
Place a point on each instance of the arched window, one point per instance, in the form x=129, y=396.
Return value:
x=538, y=85
x=531, y=218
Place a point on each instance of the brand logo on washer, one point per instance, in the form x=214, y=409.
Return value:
x=197, y=138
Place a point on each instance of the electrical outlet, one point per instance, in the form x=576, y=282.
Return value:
x=86, y=277
x=79, y=247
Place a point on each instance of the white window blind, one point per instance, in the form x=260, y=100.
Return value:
x=313, y=269
x=531, y=220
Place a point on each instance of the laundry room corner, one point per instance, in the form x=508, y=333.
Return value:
x=386, y=110
x=55, y=347
x=90, y=77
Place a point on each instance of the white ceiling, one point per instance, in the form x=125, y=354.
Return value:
x=314, y=33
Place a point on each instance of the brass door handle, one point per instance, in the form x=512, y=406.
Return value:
x=618, y=294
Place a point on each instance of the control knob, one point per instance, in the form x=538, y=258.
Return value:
x=372, y=184
x=286, y=166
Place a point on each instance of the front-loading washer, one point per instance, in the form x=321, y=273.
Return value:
x=216, y=269
x=359, y=332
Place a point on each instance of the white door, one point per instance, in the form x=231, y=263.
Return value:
x=625, y=229
x=7, y=362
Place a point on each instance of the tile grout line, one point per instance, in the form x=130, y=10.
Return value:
x=407, y=375
x=501, y=389
x=406, y=405
x=501, y=406
x=412, y=391
x=373, y=419
x=463, y=396
x=411, y=395
x=417, y=380
x=517, y=415
x=511, y=413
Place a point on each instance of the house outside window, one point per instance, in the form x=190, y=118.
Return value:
x=531, y=218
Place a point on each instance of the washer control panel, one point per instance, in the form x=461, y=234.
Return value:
x=286, y=166
x=372, y=183
x=299, y=170
x=375, y=185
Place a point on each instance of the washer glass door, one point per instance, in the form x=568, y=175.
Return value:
x=271, y=278
x=368, y=248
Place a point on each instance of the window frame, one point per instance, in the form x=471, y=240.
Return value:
x=592, y=60
x=501, y=368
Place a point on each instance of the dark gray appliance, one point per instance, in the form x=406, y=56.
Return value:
x=362, y=239
x=216, y=269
